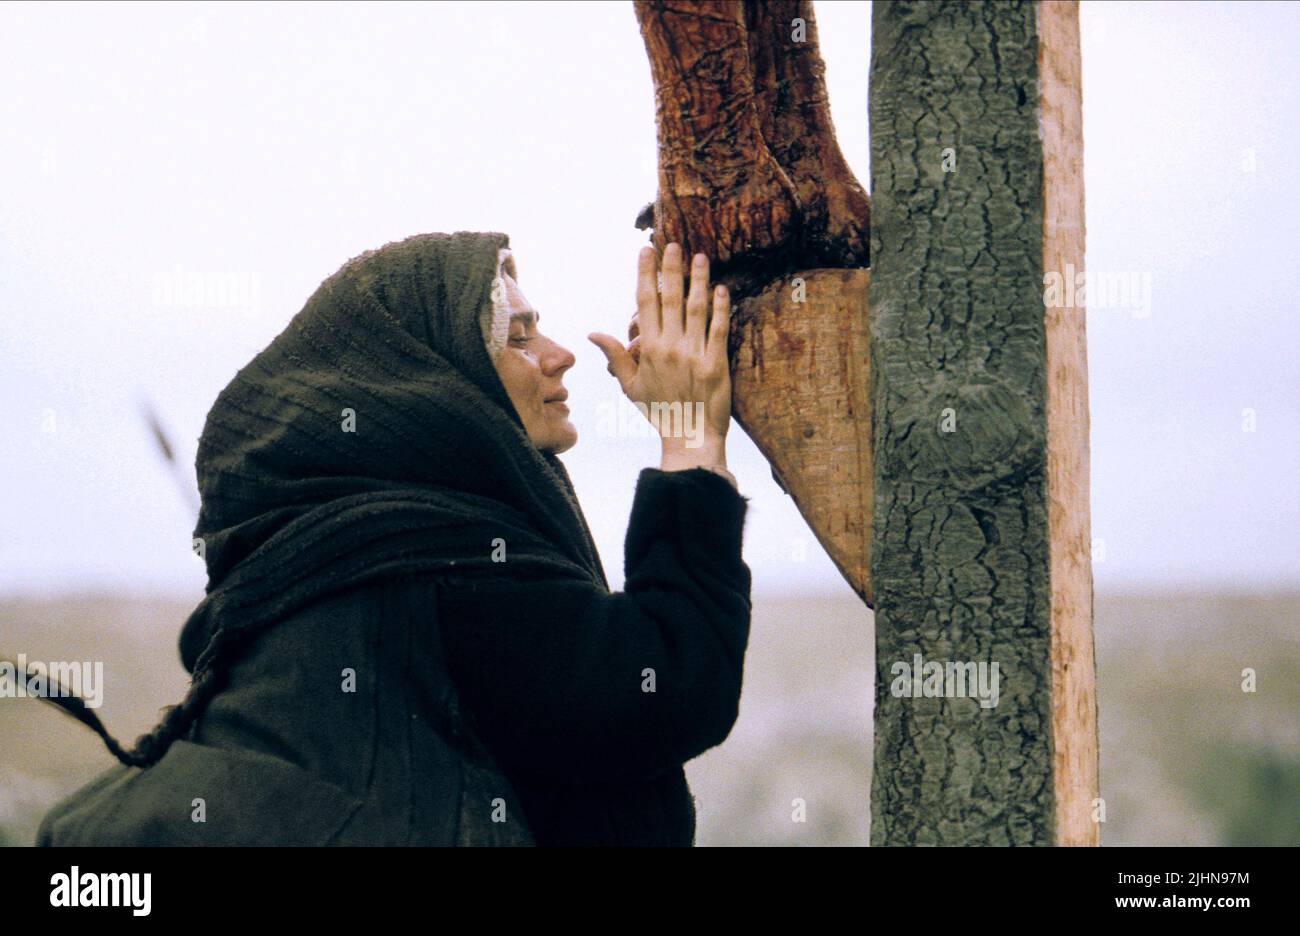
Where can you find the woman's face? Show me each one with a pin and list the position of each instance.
(531, 367)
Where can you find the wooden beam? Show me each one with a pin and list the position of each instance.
(1074, 680)
(980, 539)
(750, 172)
(801, 382)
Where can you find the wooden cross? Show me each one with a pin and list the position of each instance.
(928, 415)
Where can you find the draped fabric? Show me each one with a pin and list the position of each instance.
(373, 438)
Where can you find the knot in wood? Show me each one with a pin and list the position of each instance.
(969, 436)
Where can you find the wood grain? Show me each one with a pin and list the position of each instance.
(1074, 672)
(801, 386)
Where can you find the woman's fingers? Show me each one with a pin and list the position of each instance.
(647, 293)
(670, 300)
(662, 318)
(697, 303)
(720, 327)
(620, 362)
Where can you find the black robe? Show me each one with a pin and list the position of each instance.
(330, 730)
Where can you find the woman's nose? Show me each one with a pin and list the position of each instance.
(560, 359)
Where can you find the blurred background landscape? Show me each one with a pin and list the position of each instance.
(1187, 758)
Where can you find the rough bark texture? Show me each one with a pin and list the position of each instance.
(750, 174)
(975, 467)
(960, 553)
(794, 114)
(721, 191)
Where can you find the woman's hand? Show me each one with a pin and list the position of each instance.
(677, 356)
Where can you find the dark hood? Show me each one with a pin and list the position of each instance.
(373, 437)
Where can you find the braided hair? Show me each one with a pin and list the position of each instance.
(149, 747)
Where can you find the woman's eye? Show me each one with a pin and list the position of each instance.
(521, 338)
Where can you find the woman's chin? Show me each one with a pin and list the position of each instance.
(561, 437)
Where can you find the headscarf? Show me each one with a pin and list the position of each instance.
(392, 348)
(371, 439)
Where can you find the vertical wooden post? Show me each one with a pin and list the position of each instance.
(1074, 671)
(980, 549)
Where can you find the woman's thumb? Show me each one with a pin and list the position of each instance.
(620, 361)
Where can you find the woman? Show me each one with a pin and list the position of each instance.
(407, 636)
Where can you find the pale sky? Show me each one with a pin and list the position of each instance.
(269, 144)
